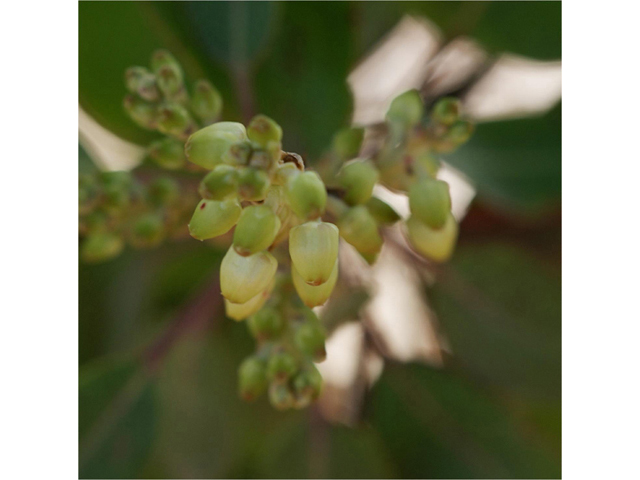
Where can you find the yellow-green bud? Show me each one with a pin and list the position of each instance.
(168, 73)
(310, 338)
(446, 111)
(308, 382)
(307, 195)
(430, 202)
(219, 184)
(212, 218)
(160, 58)
(459, 132)
(262, 159)
(359, 228)
(252, 378)
(311, 295)
(358, 179)
(263, 130)
(346, 143)
(284, 172)
(145, 114)
(438, 244)
(313, 247)
(281, 367)
(147, 231)
(280, 396)
(253, 184)
(242, 278)
(240, 311)
(207, 146)
(257, 228)
(266, 324)
(238, 153)
(100, 247)
(406, 109)
(163, 191)
(206, 101)
(382, 212)
(168, 153)
(174, 119)
(141, 81)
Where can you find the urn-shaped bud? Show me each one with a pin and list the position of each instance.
(253, 184)
(308, 382)
(141, 81)
(256, 230)
(168, 153)
(281, 367)
(307, 195)
(263, 130)
(310, 338)
(280, 396)
(242, 278)
(358, 179)
(406, 109)
(430, 202)
(212, 218)
(238, 153)
(446, 111)
(206, 101)
(266, 324)
(175, 120)
(311, 295)
(207, 146)
(219, 184)
(313, 247)
(359, 228)
(252, 378)
(240, 311)
(437, 244)
(144, 113)
(382, 212)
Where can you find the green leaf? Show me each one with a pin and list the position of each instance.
(116, 419)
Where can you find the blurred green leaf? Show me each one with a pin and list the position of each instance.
(515, 164)
(438, 425)
(116, 419)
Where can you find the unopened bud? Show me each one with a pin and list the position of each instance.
(313, 247)
(145, 114)
(174, 119)
(310, 338)
(280, 396)
(168, 153)
(147, 231)
(312, 296)
(219, 184)
(307, 195)
(359, 228)
(347, 142)
(358, 179)
(266, 324)
(238, 153)
(206, 101)
(438, 244)
(430, 202)
(425, 165)
(100, 247)
(284, 172)
(281, 367)
(263, 130)
(212, 218)
(252, 378)
(382, 212)
(459, 132)
(240, 311)
(253, 184)
(256, 230)
(242, 278)
(207, 146)
(164, 191)
(446, 111)
(406, 109)
(141, 81)
(168, 73)
(308, 382)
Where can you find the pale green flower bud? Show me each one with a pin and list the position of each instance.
(212, 218)
(307, 195)
(141, 81)
(170, 79)
(406, 109)
(430, 202)
(308, 382)
(284, 172)
(257, 228)
(312, 296)
(253, 184)
(446, 111)
(382, 212)
(206, 101)
(219, 184)
(266, 324)
(175, 120)
(145, 114)
(207, 146)
(164, 191)
(313, 247)
(238, 153)
(280, 396)
(168, 153)
(147, 231)
(358, 179)
(359, 228)
(240, 311)
(459, 132)
(242, 278)
(310, 338)
(252, 378)
(263, 130)
(100, 247)
(281, 367)
(346, 143)
(438, 244)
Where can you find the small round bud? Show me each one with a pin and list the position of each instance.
(213, 218)
(262, 159)
(263, 130)
(382, 212)
(347, 142)
(446, 111)
(307, 195)
(313, 247)
(147, 231)
(253, 184)
(160, 58)
(438, 244)
(406, 109)
(280, 396)
(174, 119)
(310, 338)
(219, 184)
(284, 172)
(206, 101)
(100, 247)
(145, 114)
(257, 228)
(141, 81)
(207, 146)
(164, 191)
(168, 153)
(240, 311)
(358, 178)
(281, 367)
(430, 202)
(312, 296)
(242, 278)
(238, 153)
(266, 324)
(252, 378)
(459, 132)
(359, 228)
(308, 382)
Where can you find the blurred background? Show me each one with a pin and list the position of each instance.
(447, 372)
